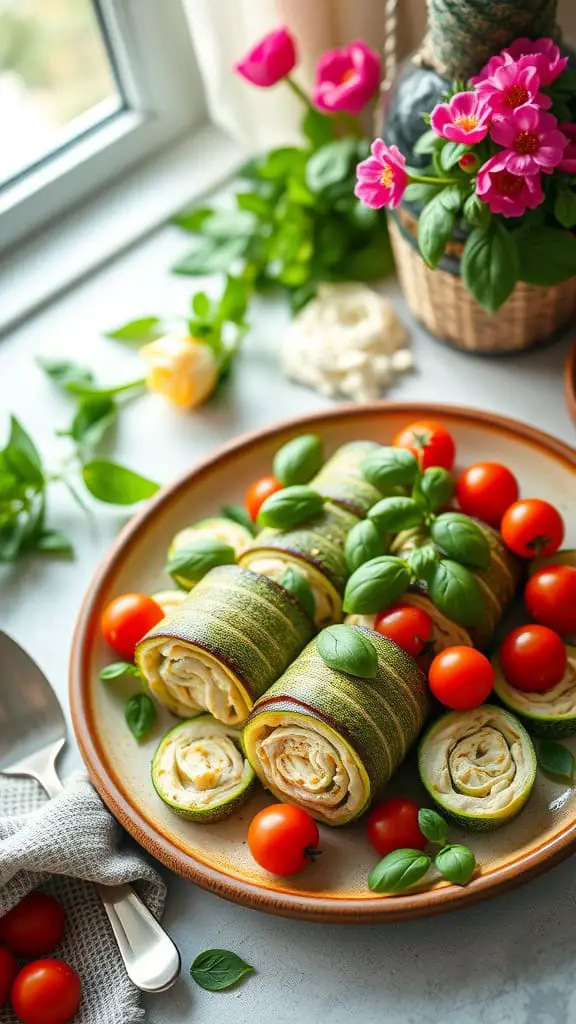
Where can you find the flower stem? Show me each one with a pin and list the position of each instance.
(424, 179)
(350, 124)
(298, 91)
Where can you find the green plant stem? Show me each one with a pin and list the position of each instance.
(298, 92)
(424, 179)
(350, 124)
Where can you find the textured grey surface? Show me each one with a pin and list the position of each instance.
(507, 960)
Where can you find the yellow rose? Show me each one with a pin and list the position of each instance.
(182, 369)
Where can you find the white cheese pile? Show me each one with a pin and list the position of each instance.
(347, 341)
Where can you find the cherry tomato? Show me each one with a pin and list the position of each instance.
(258, 492)
(34, 926)
(486, 490)
(127, 619)
(8, 971)
(429, 441)
(550, 597)
(393, 825)
(407, 626)
(46, 992)
(283, 839)
(533, 658)
(461, 678)
(532, 527)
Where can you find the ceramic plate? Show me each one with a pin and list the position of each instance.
(216, 856)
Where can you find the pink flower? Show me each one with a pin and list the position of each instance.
(511, 86)
(493, 64)
(346, 79)
(465, 118)
(532, 139)
(568, 161)
(270, 60)
(543, 54)
(382, 178)
(507, 193)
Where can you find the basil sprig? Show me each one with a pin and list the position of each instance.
(297, 461)
(423, 562)
(456, 593)
(556, 760)
(218, 969)
(363, 543)
(398, 871)
(436, 487)
(390, 467)
(432, 826)
(290, 507)
(198, 557)
(140, 715)
(348, 649)
(118, 669)
(456, 863)
(376, 585)
(461, 539)
(238, 514)
(396, 513)
(295, 583)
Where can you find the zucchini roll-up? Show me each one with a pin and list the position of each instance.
(445, 632)
(341, 479)
(328, 741)
(552, 713)
(479, 766)
(224, 645)
(199, 770)
(316, 550)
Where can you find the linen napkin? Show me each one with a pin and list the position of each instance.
(61, 846)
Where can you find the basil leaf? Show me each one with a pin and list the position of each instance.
(20, 443)
(436, 487)
(295, 583)
(456, 863)
(376, 585)
(476, 212)
(115, 484)
(195, 560)
(140, 714)
(117, 669)
(238, 514)
(348, 649)
(450, 154)
(490, 265)
(436, 224)
(330, 164)
(557, 760)
(218, 969)
(290, 506)
(398, 871)
(192, 220)
(565, 208)
(363, 543)
(433, 826)
(93, 418)
(423, 562)
(64, 372)
(461, 539)
(53, 542)
(456, 593)
(394, 514)
(390, 467)
(138, 332)
(89, 391)
(547, 255)
(297, 461)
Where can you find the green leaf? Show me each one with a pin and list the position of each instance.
(396, 513)
(218, 969)
(201, 305)
(196, 559)
(255, 203)
(427, 143)
(376, 585)
(93, 418)
(371, 263)
(290, 506)
(140, 715)
(211, 257)
(436, 487)
(456, 593)
(115, 484)
(363, 543)
(227, 224)
(232, 306)
(280, 163)
(19, 439)
(53, 542)
(461, 539)
(192, 220)
(423, 562)
(398, 871)
(138, 332)
(456, 863)
(118, 669)
(64, 372)
(476, 212)
(349, 650)
(390, 467)
(565, 208)
(238, 514)
(547, 255)
(317, 127)
(297, 461)
(435, 227)
(490, 265)
(90, 391)
(21, 456)
(433, 826)
(330, 164)
(295, 584)
(450, 154)
(556, 760)
(417, 192)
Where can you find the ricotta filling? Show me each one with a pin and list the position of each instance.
(188, 680)
(200, 766)
(327, 609)
(557, 702)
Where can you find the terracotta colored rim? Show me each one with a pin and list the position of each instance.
(321, 908)
(570, 382)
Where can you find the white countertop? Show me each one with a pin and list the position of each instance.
(507, 961)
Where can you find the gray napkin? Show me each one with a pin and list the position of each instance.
(61, 846)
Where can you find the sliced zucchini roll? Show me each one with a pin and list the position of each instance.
(342, 481)
(224, 645)
(328, 741)
(199, 770)
(316, 550)
(552, 713)
(479, 766)
(169, 599)
(565, 557)
(445, 633)
(218, 528)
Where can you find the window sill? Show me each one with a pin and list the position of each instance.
(69, 250)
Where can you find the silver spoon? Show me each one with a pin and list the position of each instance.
(32, 734)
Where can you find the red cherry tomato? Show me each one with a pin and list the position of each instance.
(393, 825)
(533, 658)
(258, 492)
(34, 926)
(461, 678)
(46, 992)
(532, 527)
(430, 442)
(8, 971)
(550, 597)
(127, 619)
(408, 626)
(486, 490)
(283, 839)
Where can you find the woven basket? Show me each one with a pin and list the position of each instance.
(440, 301)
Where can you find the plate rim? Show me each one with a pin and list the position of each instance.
(440, 898)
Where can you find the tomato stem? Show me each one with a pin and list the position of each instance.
(311, 853)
